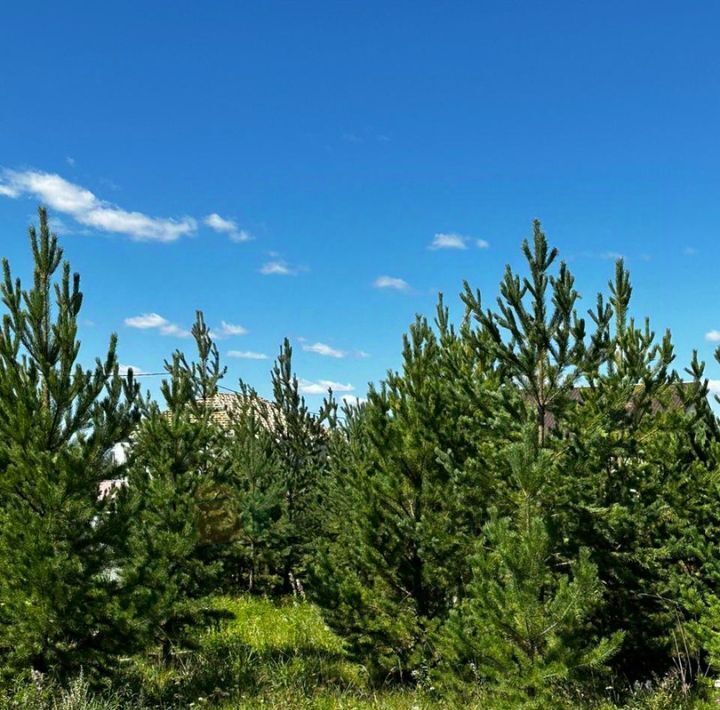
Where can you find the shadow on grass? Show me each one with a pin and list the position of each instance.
(220, 671)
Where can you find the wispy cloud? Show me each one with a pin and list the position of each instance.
(227, 226)
(452, 240)
(278, 267)
(87, 209)
(448, 241)
(391, 282)
(714, 386)
(145, 321)
(59, 226)
(352, 400)
(690, 251)
(713, 336)
(154, 321)
(322, 386)
(609, 255)
(323, 349)
(247, 355)
(232, 329)
(227, 330)
(612, 255)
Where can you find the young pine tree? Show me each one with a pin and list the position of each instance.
(177, 458)
(630, 488)
(256, 501)
(301, 440)
(538, 339)
(410, 491)
(523, 625)
(58, 423)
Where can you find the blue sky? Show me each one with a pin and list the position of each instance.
(275, 164)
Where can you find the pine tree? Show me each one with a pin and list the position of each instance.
(538, 338)
(632, 490)
(301, 442)
(523, 625)
(694, 578)
(256, 501)
(58, 424)
(410, 493)
(177, 460)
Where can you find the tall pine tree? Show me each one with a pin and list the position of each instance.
(256, 500)
(301, 443)
(177, 460)
(58, 424)
(538, 338)
(411, 491)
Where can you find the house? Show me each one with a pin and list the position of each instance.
(221, 406)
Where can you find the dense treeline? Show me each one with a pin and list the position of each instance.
(529, 503)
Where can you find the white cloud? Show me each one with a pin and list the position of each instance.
(154, 321)
(352, 400)
(176, 330)
(713, 336)
(87, 209)
(70, 161)
(362, 354)
(247, 355)
(59, 226)
(391, 282)
(323, 349)
(220, 224)
(277, 268)
(690, 251)
(227, 226)
(229, 329)
(452, 240)
(322, 386)
(147, 320)
(714, 386)
(448, 241)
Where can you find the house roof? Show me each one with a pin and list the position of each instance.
(223, 406)
(675, 402)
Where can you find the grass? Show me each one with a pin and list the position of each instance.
(275, 655)
(282, 655)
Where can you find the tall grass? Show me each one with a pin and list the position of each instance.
(281, 655)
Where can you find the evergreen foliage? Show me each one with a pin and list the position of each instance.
(176, 465)
(257, 503)
(58, 424)
(630, 489)
(522, 627)
(410, 493)
(528, 503)
(301, 443)
(537, 337)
